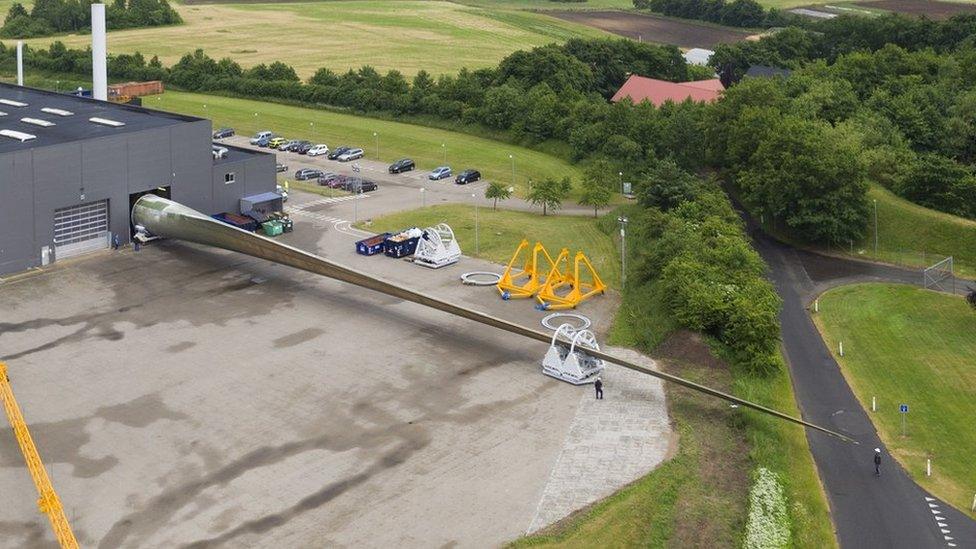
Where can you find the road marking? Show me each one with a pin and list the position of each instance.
(328, 200)
(929, 499)
(942, 524)
(934, 506)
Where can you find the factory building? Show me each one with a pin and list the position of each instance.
(71, 168)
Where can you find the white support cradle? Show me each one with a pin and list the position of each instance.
(572, 364)
(437, 247)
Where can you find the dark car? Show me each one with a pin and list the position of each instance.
(339, 150)
(302, 147)
(289, 146)
(360, 186)
(223, 133)
(307, 173)
(467, 176)
(329, 179)
(402, 165)
(279, 167)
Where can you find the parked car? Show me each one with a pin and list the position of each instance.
(223, 133)
(360, 186)
(402, 165)
(329, 179)
(289, 146)
(319, 149)
(262, 135)
(467, 176)
(351, 154)
(307, 173)
(440, 173)
(263, 142)
(335, 154)
(303, 147)
(283, 192)
(277, 142)
(218, 151)
(280, 168)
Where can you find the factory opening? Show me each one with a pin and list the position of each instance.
(81, 229)
(163, 192)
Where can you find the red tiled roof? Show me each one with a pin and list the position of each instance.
(639, 88)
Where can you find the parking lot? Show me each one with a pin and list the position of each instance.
(186, 396)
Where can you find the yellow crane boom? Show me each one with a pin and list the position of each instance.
(48, 500)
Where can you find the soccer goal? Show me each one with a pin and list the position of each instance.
(940, 276)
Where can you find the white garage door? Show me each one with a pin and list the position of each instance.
(80, 229)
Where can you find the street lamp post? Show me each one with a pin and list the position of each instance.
(875, 227)
(623, 251)
(376, 138)
(423, 197)
(444, 150)
(477, 244)
(512, 158)
(311, 126)
(621, 174)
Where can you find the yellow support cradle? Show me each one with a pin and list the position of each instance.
(559, 279)
(521, 283)
(48, 501)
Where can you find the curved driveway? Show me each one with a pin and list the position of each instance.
(868, 512)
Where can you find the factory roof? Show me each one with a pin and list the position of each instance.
(36, 118)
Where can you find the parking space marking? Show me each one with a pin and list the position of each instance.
(327, 200)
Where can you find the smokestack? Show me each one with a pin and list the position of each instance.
(20, 63)
(99, 70)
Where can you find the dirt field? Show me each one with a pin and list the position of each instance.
(928, 8)
(654, 29)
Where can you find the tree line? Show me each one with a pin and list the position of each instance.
(49, 17)
(737, 13)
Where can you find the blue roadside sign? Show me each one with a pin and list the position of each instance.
(903, 408)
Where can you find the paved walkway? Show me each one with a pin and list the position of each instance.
(611, 442)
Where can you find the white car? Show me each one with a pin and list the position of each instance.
(266, 134)
(351, 154)
(316, 150)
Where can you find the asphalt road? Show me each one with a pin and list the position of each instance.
(887, 512)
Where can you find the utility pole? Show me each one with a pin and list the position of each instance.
(512, 158)
(621, 174)
(444, 150)
(623, 251)
(875, 227)
(376, 138)
(477, 246)
(423, 197)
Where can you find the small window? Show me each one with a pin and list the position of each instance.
(229, 178)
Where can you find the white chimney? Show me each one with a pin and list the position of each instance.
(20, 63)
(99, 70)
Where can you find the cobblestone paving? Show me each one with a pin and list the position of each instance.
(610, 443)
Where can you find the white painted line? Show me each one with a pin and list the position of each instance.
(929, 499)
(942, 524)
(944, 531)
(939, 518)
(934, 506)
(947, 538)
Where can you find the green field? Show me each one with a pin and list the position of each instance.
(499, 232)
(407, 35)
(907, 345)
(914, 235)
(396, 140)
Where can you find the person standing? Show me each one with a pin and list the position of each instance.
(599, 389)
(877, 462)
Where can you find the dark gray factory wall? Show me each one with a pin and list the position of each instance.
(254, 174)
(16, 213)
(36, 182)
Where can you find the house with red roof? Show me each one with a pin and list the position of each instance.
(639, 88)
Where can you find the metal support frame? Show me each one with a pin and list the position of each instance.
(935, 276)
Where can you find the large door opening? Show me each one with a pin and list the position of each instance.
(163, 192)
(81, 229)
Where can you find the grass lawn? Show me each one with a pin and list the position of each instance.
(903, 344)
(500, 231)
(407, 35)
(396, 140)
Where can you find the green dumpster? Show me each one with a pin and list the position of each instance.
(272, 228)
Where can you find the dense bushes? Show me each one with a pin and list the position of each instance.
(57, 16)
(737, 13)
(700, 260)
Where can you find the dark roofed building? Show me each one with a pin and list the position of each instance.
(763, 71)
(71, 167)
